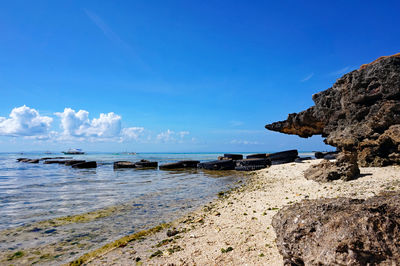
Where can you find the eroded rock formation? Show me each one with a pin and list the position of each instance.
(345, 168)
(361, 112)
(340, 231)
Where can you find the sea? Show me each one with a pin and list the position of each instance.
(96, 206)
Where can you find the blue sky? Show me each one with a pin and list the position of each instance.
(176, 75)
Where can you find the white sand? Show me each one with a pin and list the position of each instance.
(242, 219)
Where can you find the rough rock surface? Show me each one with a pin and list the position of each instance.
(345, 168)
(361, 112)
(340, 231)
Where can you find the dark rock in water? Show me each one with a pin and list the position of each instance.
(189, 163)
(54, 161)
(250, 167)
(176, 165)
(233, 156)
(329, 155)
(218, 165)
(290, 154)
(27, 160)
(146, 164)
(180, 165)
(91, 164)
(124, 164)
(72, 162)
(277, 157)
(252, 164)
(340, 231)
(301, 159)
(282, 161)
(361, 113)
(282, 157)
(344, 168)
(257, 155)
(254, 161)
(54, 158)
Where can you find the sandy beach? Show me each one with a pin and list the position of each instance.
(236, 228)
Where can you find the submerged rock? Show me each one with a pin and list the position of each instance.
(54, 162)
(90, 164)
(72, 162)
(340, 231)
(361, 112)
(124, 164)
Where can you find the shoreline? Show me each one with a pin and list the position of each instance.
(236, 228)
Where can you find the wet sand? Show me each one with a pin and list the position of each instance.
(236, 228)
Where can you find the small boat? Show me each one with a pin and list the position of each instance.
(74, 151)
(128, 153)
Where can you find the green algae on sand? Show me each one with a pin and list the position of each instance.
(117, 243)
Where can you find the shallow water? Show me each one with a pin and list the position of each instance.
(123, 201)
(30, 193)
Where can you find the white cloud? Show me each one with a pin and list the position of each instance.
(78, 124)
(182, 134)
(307, 78)
(235, 123)
(245, 142)
(340, 71)
(25, 121)
(131, 133)
(74, 123)
(166, 136)
(172, 136)
(106, 126)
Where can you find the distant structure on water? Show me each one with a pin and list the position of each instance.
(74, 151)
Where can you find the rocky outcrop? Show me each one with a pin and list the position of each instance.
(345, 168)
(361, 112)
(340, 231)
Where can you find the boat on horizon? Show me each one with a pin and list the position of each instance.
(74, 151)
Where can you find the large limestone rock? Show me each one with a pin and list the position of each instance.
(361, 112)
(340, 231)
(345, 168)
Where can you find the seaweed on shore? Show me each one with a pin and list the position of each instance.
(120, 242)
